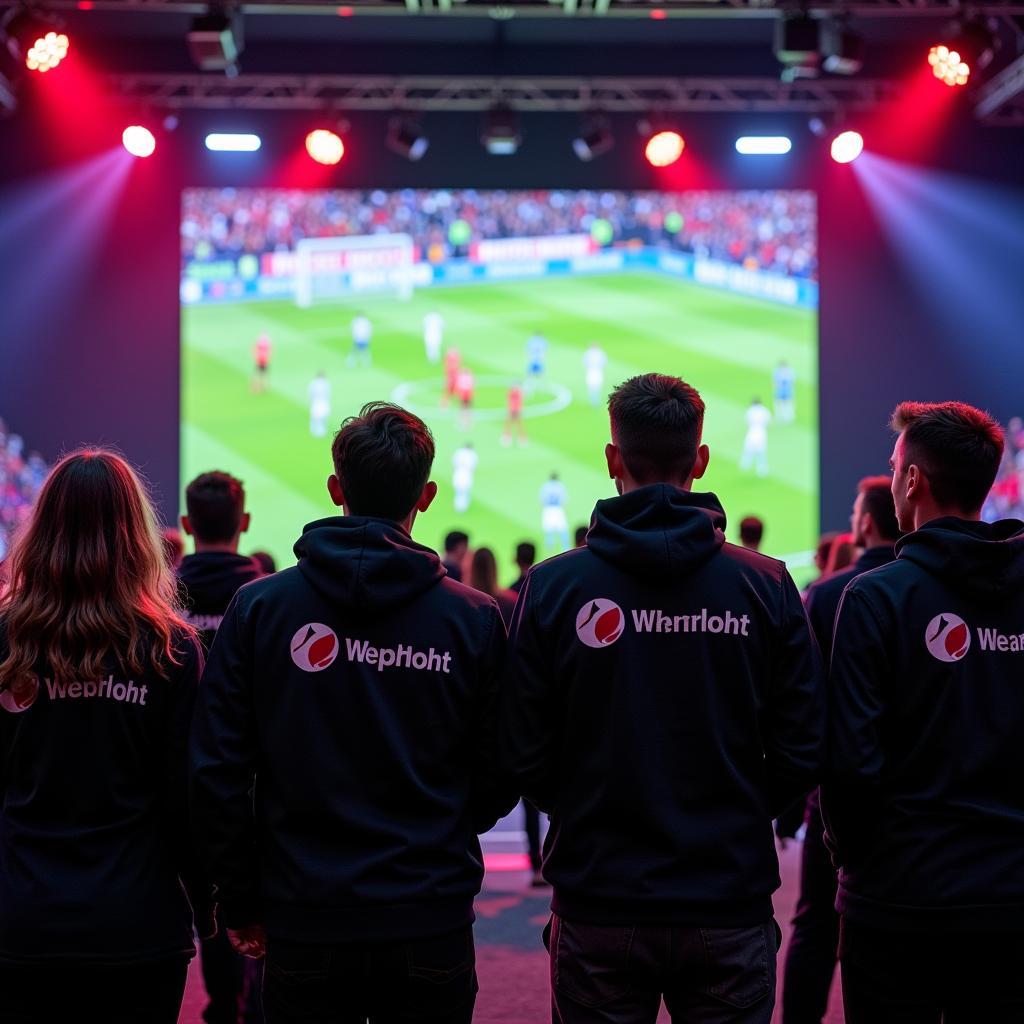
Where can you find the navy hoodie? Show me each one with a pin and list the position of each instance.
(94, 844)
(924, 793)
(209, 580)
(356, 691)
(663, 702)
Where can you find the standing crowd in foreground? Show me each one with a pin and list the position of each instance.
(315, 793)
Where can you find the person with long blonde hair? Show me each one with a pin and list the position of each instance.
(98, 677)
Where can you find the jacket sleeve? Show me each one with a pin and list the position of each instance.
(855, 759)
(181, 705)
(223, 772)
(793, 720)
(528, 731)
(493, 795)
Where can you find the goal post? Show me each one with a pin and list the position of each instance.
(328, 269)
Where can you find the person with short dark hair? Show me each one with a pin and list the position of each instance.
(215, 518)
(922, 796)
(265, 560)
(98, 677)
(526, 555)
(751, 532)
(173, 546)
(354, 691)
(456, 546)
(814, 943)
(580, 538)
(663, 702)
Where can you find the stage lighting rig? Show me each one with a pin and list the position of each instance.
(325, 147)
(593, 139)
(969, 47)
(406, 138)
(842, 49)
(664, 148)
(215, 41)
(846, 147)
(798, 46)
(35, 38)
(500, 133)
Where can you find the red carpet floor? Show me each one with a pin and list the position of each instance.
(511, 961)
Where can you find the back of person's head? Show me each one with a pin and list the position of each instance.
(215, 505)
(483, 571)
(956, 447)
(88, 578)
(382, 459)
(265, 560)
(875, 493)
(526, 554)
(581, 536)
(751, 532)
(821, 552)
(656, 424)
(174, 546)
(841, 555)
(456, 542)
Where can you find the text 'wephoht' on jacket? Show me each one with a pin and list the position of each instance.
(663, 702)
(924, 790)
(94, 838)
(355, 690)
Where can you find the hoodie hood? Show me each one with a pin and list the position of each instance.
(657, 532)
(984, 561)
(364, 565)
(212, 577)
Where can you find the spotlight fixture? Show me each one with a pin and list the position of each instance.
(969, 47)
(215, 42)
(232, 142)
(798, 46)
(406, 138)
(842, 49)
(593, 139)
(763, 145)
(847, 146)
(664, 148)
(500, 132)
(325, 146)
(139, 141)
(35, 39)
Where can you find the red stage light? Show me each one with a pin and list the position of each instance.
(324, 146)
(847, 146)
(948, 66)
(138, 141)
(345, 12)
(85, 5)
(47, 52)
(659, 14)
(664, 148)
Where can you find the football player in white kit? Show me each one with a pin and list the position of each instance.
(362, 335)
(594, 362)
(433, 335)
(319, 404)
(464, 463)
(553, 522)
(755, 444)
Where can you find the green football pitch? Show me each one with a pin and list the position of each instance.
(725, 345)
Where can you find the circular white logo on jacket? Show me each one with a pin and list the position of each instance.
(600, 622)
(314, 647)
(948, 637)
(21, 697)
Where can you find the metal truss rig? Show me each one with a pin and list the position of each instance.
(438, 93)
(505, 9)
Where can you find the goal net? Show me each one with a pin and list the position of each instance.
(328, 269)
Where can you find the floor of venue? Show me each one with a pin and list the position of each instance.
(511, 962)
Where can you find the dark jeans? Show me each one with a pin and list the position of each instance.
(814, 944)
(927, 977)
(417, 981)
(603, 974)
(115, 995)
